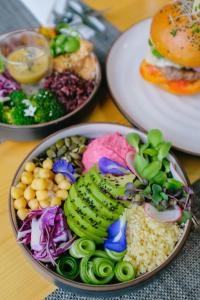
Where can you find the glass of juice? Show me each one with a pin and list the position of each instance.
(26, 55)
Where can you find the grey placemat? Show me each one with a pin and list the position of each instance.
(180, 281)
(14, 15)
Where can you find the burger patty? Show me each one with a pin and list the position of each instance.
(172, 73)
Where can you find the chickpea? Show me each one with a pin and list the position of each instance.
(36, 171)
(29, 166)
(55, 201)
(22, 213)
(20, 203)
(42, 195)
(64, 185)
(47, 164)
(16, 192)
(55, 188)
(59, 177)
(21, 185)
(33, 204)
(27, 177)
(29, 193)
(39, 184)
(44, 203)
(50, 184)
(43, 173)
(62, 194)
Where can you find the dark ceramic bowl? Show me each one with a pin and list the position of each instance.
(38, 131)
(93, 130)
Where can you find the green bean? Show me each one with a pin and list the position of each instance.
(124, 271)
(68, 267)
(82, 247)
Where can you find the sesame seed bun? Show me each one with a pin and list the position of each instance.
(175, 36)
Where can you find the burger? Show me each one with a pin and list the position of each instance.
(173, 61)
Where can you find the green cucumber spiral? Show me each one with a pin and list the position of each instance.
(82, 247)
(115, 256)
(124, 271)
(68, 267)
(96, 268)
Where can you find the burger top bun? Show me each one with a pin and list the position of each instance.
(175, 36)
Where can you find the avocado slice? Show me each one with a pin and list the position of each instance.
(112, 208)
(81, 232)
(88, 211)
(80, 218)
(114, 185)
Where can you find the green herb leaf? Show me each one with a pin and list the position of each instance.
(186, 215)
(2, 65)
(173, 32)
(133, 140)
(150, 42)
(140, 163)
(156, 196)
(151, 170)
(164, 196)
(163, 150)
(155, 137)
(156, 53)
(150, 152)
(160, 178)
(166, 165)
(173, 184)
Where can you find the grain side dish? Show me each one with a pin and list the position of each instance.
(149, 242)
(103, 210)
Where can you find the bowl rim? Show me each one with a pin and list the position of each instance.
(97, 80)
(79, 285)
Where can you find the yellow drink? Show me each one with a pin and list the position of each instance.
(28, 64)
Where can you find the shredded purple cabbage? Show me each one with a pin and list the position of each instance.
(47, 233)
(108, 166)
(7, 85)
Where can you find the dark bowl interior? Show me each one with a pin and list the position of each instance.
(93, 130)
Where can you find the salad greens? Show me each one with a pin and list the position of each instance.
(67, 41)
(156, 181)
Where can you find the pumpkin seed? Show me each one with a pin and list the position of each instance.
(62, 151)
(59, 144)
(75, 155)
(82, 148)
(75, 140)
(51, 153)
(67, 142)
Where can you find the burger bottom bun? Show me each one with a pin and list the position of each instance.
(179, 87)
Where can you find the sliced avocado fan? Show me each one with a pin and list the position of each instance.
(92, 205)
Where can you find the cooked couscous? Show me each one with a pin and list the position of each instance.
(149, 242)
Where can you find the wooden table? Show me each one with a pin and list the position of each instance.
(18, 279)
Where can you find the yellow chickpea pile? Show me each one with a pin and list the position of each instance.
(38, 188)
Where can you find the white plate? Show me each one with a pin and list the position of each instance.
(146, 105)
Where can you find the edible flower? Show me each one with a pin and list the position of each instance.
(62, 166)
(47, 233)
(116, 235)
(108, 166)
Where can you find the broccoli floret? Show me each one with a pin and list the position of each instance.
(48, 107)
(18, 115)
(5, 114)
(16, 97)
